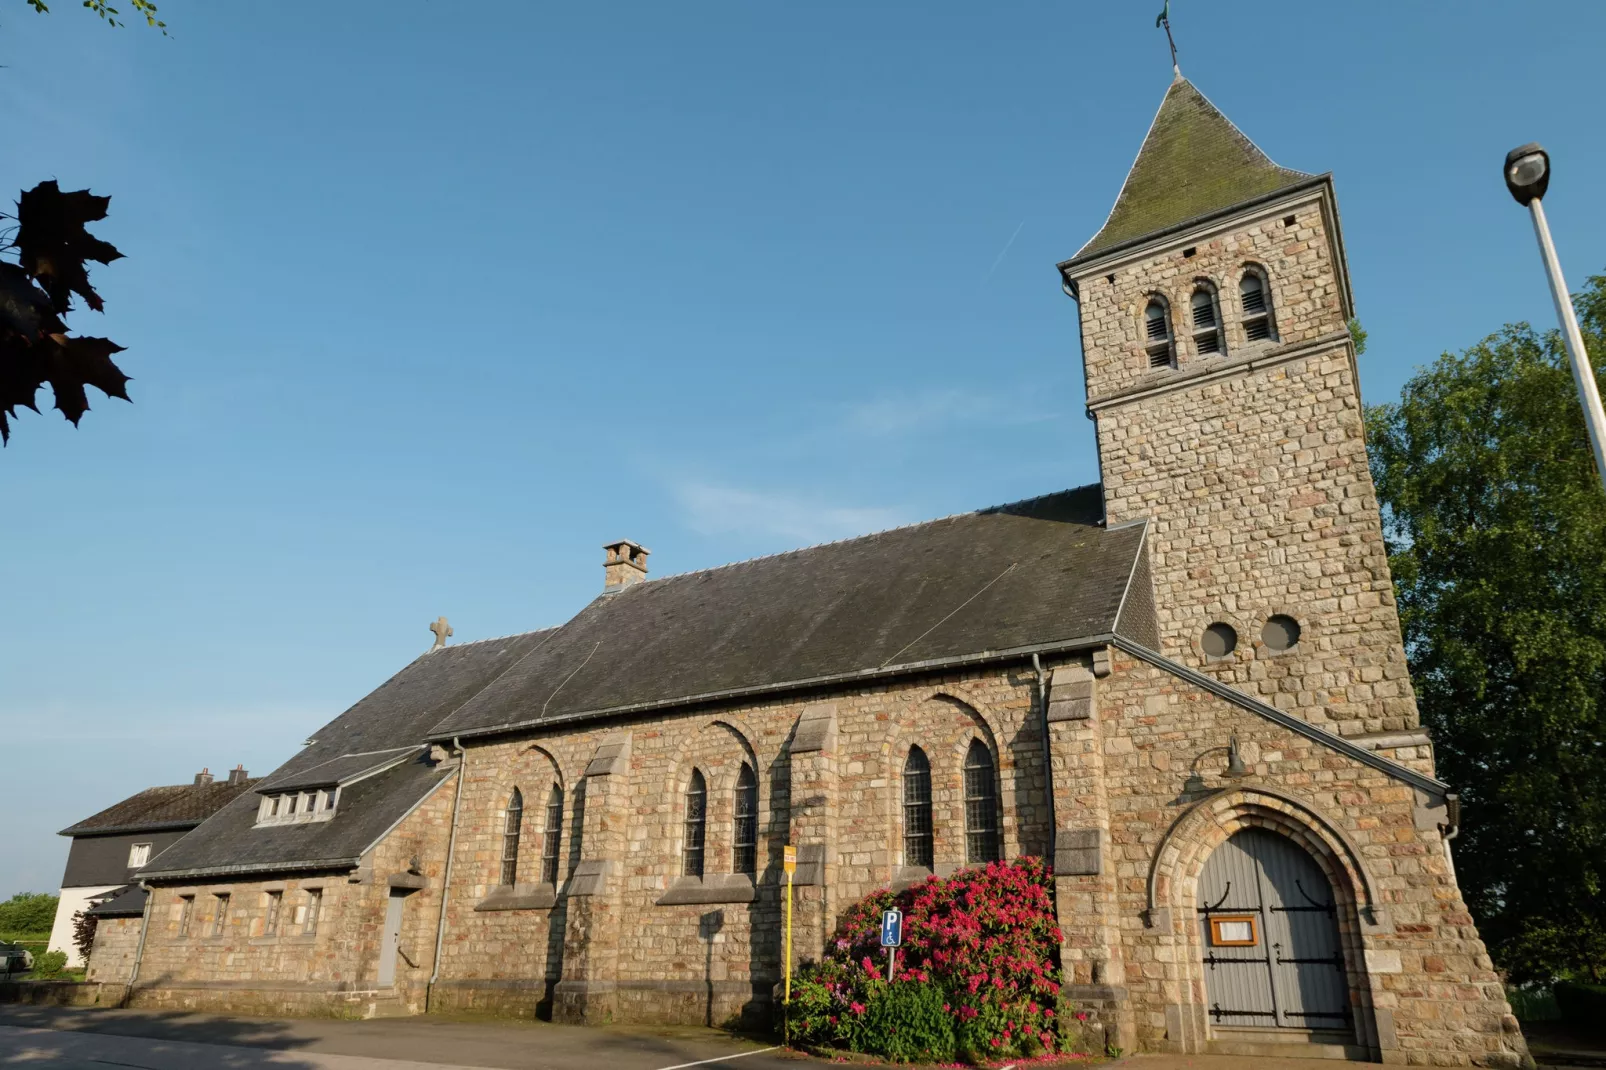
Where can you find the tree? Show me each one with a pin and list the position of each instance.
(28, 912)
(142, 8)
(52, 246)
(83, 933)
(1496, 527)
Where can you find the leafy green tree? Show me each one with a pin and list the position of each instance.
(1496, 527)
(28, 912)
(142, 9)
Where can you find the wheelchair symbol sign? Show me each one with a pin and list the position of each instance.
(892, 928)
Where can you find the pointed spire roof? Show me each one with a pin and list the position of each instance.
(1193, 163)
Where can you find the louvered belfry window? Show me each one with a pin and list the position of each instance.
(917, 839)
(1206, 324)
(1157, 335)
(745, 838)
(696, 823)
(981, 805)
(511, 824)
(552, 841)
(1257, 308)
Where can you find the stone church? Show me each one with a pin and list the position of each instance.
(1185, 685)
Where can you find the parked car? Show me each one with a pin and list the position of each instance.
(14, 959)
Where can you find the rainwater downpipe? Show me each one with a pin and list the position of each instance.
(1452, 820)
(1048, 758)
(139, 952)
(446, 878)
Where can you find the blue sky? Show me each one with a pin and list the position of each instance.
(424, 302)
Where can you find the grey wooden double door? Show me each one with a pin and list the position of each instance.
(1269, 928)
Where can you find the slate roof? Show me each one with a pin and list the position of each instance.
(1037, 575)
(342, 770)
(1010, 579)
(400, 711)
(174, 806)
(1193, 163)
(127, 901)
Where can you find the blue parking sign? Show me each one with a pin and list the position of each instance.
(892, 928)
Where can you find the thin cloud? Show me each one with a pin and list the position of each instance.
(711, 509)
(999, 259)
(904, 414)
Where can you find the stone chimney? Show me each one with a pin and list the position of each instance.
(238, 775)
(626, 564)
(203, 777)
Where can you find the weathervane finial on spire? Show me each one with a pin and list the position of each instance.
(1164, 19)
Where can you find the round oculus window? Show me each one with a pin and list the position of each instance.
(1219, 640)
(1280, 632)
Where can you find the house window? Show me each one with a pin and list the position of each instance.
(981, 805)
(314, 905)
(510, 837)
(917, 809)
(1157, 335)
(220, 913)
(1255, 296)
(186, 910)
(270, 920)
(1206, 322)
(745, 839)
(552, 840)
(138, 855)
(696, 819)
(298, 806)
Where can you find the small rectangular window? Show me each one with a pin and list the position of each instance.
(138, 855)
(220, 913)
(186, 910)
(314, 905)
(270, 921)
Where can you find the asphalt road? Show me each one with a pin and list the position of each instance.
(58, 1038)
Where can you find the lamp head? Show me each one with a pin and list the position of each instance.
(1527, 172)
(1236, 769)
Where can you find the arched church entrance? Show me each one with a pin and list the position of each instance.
(1269, 929)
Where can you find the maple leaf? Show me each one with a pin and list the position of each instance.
(53, 244)
(53, 247)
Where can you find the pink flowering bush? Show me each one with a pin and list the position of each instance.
(982, 945)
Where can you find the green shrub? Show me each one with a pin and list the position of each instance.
(907, 1022)
(49, 964)
(28, 912)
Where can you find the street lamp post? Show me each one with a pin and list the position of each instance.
(1527, 177)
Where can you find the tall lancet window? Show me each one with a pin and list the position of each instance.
(981, 805)
(1255, 296)
(917, 809)
(511, 825)
(696, 823)
(1157, 334)
(744, 840)
(1206, 322)
(552, 842)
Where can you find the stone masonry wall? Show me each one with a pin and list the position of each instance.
(710, 950)
(1252, 467)
(1422, 985)
(331, 967)
(111, 960)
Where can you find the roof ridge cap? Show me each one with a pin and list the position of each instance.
(847, 539)
(489, 639)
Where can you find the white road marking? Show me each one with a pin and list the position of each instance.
(721, 1058)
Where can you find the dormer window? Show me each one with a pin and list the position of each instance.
(1255, 296)
(1157, 335)
(296, 807)
(1206, 322)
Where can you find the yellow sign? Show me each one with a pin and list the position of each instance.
(789, 859)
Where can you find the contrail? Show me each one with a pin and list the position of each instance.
(1003, 252)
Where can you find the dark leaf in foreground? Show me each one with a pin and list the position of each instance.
(53, 244)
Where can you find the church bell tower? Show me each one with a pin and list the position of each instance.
(1221, 376)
